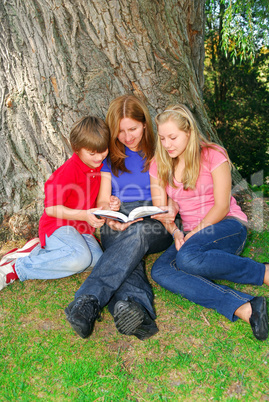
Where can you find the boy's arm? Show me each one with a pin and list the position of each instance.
(62, 212)
(103, 199)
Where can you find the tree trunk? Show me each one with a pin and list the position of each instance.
(62, 59)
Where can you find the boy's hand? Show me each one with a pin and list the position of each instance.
(114, 203)
(93, 220)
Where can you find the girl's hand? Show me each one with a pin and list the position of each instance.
(93, 220)
(115, 225)
(179, 239)
(115, 203)
(168, 217)
(190, 234)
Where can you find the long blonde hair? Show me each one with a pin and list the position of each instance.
(134, 108)
(184, 120)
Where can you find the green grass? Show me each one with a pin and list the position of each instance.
(198, 355)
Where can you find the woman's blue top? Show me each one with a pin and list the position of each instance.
(133, 186)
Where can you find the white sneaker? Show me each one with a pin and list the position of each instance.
(6, 269)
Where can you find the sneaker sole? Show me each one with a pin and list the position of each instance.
(5, 269)
(127, 320)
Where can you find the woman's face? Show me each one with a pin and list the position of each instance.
(172, 139)
(131, 133)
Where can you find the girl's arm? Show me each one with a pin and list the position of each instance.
(222, 183)
(62, 212)
(160, 199)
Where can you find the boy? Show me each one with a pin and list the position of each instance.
(67, 245)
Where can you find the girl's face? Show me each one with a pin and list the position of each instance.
(131, 133)
(91, 158)
(172, 139)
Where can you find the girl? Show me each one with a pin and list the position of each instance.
(196, 175)
(119, 277)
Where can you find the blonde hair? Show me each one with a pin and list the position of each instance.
(134, 108)
(91, 133)
(184, 120)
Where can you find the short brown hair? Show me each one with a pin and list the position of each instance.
(91, 133)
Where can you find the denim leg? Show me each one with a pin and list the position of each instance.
(94, 247)
(137, 288)
(214, 254)
(159, 240)
(66, 253)
(115, 272)
(196, 288)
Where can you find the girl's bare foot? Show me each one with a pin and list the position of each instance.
(266, 275)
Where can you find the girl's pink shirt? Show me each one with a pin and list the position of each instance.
(195, 204)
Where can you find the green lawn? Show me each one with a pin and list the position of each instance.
(198, 355)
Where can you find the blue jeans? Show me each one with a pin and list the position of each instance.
(210, 254)
(67, 252)
(120, 272)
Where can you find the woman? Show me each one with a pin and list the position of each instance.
(119, 277)
(196, 175)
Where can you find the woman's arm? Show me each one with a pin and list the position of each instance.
(105, 201)
(222, 183)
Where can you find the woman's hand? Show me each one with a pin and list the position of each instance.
(116, 225)
(179, 239)
(115, 203)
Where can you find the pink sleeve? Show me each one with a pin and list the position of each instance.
(215, 157)
(153, 169)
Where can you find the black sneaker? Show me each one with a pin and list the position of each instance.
(82, 313)
(133, 319)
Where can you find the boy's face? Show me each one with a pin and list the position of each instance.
(91, 158)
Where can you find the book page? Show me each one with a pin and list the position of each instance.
(141, 212)
(117, 216)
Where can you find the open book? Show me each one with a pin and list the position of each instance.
(139, 212)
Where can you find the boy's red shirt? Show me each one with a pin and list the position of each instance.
(74, 185)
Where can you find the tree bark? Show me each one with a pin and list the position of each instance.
(62, 59)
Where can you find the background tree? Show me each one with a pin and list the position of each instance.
(60, 60)
(237, 80)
